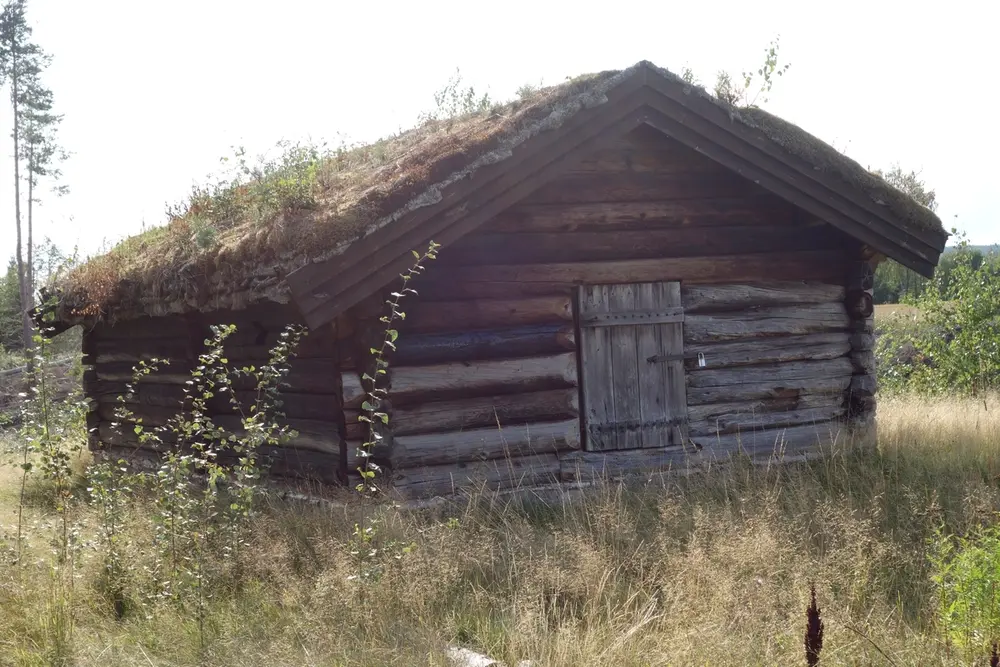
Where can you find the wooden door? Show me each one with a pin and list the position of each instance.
(632, 365)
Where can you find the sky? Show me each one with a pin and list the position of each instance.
(155, 93)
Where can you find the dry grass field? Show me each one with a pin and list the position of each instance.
(884, 310)
(712, 569)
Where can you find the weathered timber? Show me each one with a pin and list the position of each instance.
(321, 407)
(773, 443)
(180, 349)
(443, 316)
(411, 384)
(422, 349)
(311, 435)
(609, 245)
(708, 298)
(771, 321)
(863, 385)
(775, 373)
(583, 466)
(641, 186)
(768, 389)
(491, 475)
(353, 391)
(861, 342)
(440, 285)
(312, 375)
(742, 422)
(282, 462)
(818, 265)
(631, 158)
(485, 412)
(711, 411)
(768, 350)
(487, 443)
(122, 372)
(860, 304)
(651, 214)
(864, 361)
(671, 315)
(596, 366)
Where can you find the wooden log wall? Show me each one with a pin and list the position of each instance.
(311, 400)
(483, 385)
(861, 310)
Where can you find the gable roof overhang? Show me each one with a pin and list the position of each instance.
(324, 289)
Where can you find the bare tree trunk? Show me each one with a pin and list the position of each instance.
(27, 331)
(31, 244)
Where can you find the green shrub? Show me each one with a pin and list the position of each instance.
(967, 575)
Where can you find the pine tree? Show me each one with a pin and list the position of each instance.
(21, 63)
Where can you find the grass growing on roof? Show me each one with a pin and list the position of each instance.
(234, 240)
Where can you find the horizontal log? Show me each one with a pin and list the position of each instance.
(774, 443)
(769, 350)
(493, 475)
(774, 373)
(642, 159)
(642, 186)
(441, 285)
(707, 298)
(761, 445)
(423, 349)
(412, 384)
(651, 214)
(353, 391)
(712, 411)
(321, 407)
(312, 435)
(314, 377)
(444, 316)
(771, 321)
(767, 389)
(818, 265)
(584, 466)
(485, 412)
(283, 462)
(611, 245)
(177, 326)
(744, 422)
(315, 345)
(487, 443)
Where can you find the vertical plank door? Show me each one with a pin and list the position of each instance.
(632, 357)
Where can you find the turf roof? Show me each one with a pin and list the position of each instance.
(234, 245)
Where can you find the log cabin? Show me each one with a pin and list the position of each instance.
(634, 276)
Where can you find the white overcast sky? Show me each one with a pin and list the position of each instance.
(154, 93)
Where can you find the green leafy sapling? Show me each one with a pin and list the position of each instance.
(373, 412)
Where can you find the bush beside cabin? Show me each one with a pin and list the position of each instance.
(633, 277)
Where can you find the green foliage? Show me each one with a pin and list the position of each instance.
(894, 283)
(454, 100)
(962, 333)
(254, 190)
(742, 94)
(966, 572)
(367, 545)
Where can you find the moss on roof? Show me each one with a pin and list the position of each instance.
(233, 243)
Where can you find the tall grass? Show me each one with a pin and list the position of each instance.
(713, 569)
